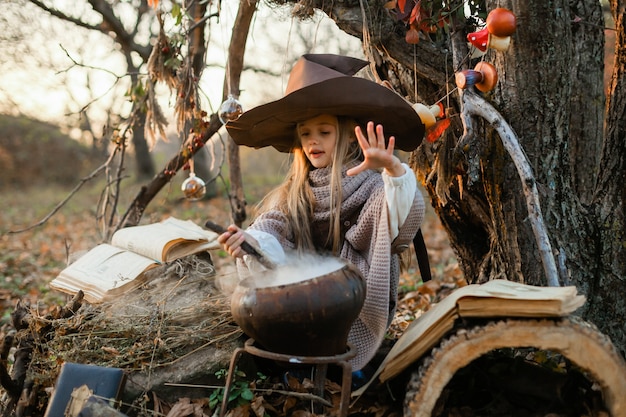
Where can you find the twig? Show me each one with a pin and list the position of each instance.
(201, 22)
(60, 205)
(301, 395)
(474, 105)
(211, 342)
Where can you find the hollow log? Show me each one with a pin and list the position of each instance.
(576, 340)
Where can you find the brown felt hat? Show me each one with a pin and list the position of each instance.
(324, 84)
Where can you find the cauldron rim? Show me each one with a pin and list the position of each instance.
(255, 282)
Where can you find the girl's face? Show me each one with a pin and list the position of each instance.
(318, 137)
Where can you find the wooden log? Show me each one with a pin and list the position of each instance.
(576, 340)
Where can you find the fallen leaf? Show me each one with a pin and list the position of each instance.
(258, 406)
(110, 350)
(182, 408)
(241, 411)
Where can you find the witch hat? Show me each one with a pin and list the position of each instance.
(325, 84)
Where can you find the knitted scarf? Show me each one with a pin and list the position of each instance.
(366, 244)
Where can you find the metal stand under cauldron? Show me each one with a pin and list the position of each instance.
(321, 365)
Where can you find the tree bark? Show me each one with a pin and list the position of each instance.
(607, 282)
(586, 121)
(578, 341)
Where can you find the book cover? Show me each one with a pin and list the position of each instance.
(103, 382)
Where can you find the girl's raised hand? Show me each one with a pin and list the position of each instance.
(376, 155)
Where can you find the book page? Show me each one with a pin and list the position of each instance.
(155, 240)
(102, 269)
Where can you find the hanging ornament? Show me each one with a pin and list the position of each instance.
(193, 187)
(484, 76)
(483, 40)
(412, 36)
(230, 110)
(429, 115)
(501, 24)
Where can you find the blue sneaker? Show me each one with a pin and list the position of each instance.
(361, 377)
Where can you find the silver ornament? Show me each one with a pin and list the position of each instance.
(230, 109)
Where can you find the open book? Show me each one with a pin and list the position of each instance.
(497, 298)
(115, 268)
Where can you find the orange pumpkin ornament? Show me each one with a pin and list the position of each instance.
(501, 22)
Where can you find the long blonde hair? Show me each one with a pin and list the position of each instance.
(294, 196)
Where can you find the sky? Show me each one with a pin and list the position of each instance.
(44, 82)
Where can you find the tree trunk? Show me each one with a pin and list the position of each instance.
(550, 92)
(234, 67)
(607, 279)
(144, 168)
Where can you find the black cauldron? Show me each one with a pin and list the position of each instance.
(308, 315)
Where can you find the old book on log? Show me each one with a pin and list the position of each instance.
(497, 298)
(109, 270)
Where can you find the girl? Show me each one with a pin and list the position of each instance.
(346, 192)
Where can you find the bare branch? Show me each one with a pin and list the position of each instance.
(475, 105)
(231, 86)
(60, 205)
(63, 16)
(110, 23)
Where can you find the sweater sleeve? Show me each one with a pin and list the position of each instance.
(271, 233)
(399, 192)
(269, 245)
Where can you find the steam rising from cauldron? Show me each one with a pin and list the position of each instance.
(299, 268)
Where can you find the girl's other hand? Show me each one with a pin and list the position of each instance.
(232, 239)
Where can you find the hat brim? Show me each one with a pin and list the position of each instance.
(273, 124)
